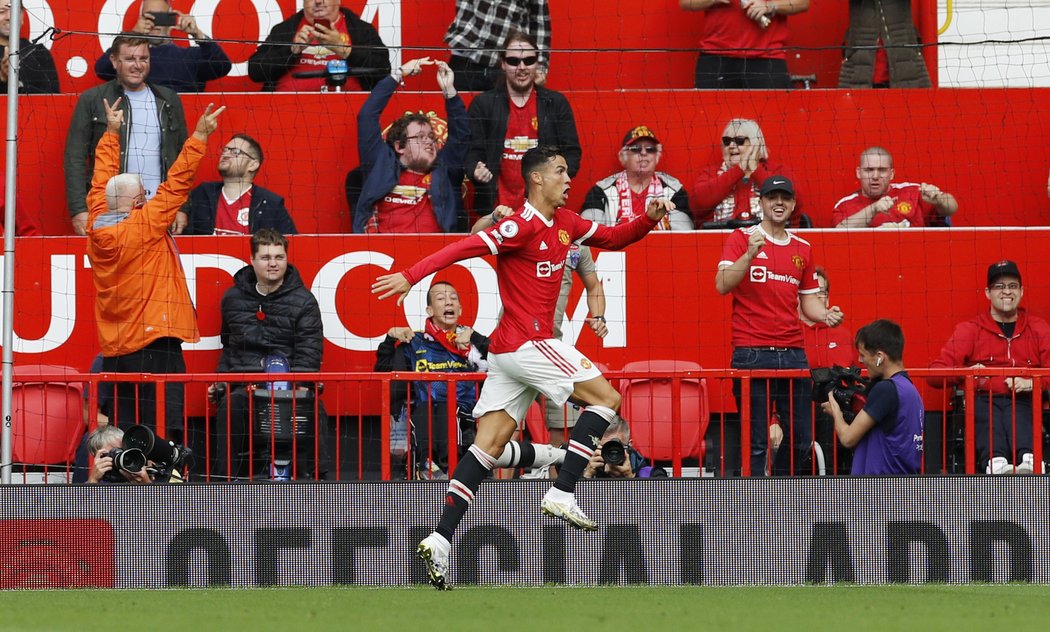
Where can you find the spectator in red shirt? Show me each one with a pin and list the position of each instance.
(744, 42)
(1003, 336)
(881, 202)
(729, 191)
(771, 275)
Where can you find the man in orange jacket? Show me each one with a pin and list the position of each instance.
(142, 304)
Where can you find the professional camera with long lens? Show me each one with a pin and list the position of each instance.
(614, 452)
(130, 460)
(846, 385)
(167, 456)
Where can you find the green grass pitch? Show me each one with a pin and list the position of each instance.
(840, 608)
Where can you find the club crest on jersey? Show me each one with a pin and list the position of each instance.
(904, 208)
(799, 262)
(585, 363)
(563, 236)
(535, 122)
(426, 180)
(508, 229)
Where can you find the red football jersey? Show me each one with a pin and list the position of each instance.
(522, 135)
(828, 346)
(765, 303)
(232, 216)
(407, 208)
(909, 206)
(530, 254)
(730, 33)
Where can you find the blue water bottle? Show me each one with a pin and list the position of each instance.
(276, 363)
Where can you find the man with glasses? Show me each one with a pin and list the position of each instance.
(624, 195)
(511, 119)
(1005, 335)
(235, 206)
(410, 183)
(771, 275)
(36, 69)
(881, 202)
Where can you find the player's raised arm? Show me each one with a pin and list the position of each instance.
(387, 285)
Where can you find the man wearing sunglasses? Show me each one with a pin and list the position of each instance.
(1003, 336)
(480, 28)
(235, 206)
(624, 195)
(882, 202)
(511, 119)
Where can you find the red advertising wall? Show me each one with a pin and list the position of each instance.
(599, 44)
(955, 138)
(662, 295)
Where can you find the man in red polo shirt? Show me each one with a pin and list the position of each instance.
(881, 202)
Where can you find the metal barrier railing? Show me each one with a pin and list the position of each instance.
(353, 439)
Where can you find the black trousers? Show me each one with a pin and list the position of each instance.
(716, 72)
(1001, 414)
(136, 402)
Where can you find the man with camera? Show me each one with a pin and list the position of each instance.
(887, 433)
(180, 68)
(615, 457)
(137, 456)
(269, 314)
(1005, 335)
(410, 184)
(771, 275)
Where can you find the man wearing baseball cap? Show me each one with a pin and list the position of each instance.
(1005, 335)
(624, 195)
(772, 275)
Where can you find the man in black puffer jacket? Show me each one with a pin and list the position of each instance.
(269, 315)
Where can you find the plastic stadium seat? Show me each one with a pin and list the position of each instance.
(47, 416)
(647, 407)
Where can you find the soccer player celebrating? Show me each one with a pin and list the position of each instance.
(524, 356)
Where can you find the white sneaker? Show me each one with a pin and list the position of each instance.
(538, 472)
(434, 551)
(999, 465)
(566, 509)
(1027, 464)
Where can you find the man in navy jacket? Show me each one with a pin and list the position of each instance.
(236, 205)
(411, 186)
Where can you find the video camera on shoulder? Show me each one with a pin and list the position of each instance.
(141, 445)
(846, 385)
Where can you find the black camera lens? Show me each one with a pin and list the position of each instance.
(614, 452)
(129, 460)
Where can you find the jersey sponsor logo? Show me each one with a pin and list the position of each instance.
(508, 229)
(421, 365)
(573, 260)
(762, 255)
(758, 274)
(546, 268)
(543, 245)
(904, 208)
(519, 145)
(563, 236)
(799, 262)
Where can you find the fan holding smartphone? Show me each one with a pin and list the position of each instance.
(297, 51)
(180, 68)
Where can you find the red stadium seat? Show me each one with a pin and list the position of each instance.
(47, 416)
(647, 406)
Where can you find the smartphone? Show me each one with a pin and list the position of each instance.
(164, 19)
(325, 23)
